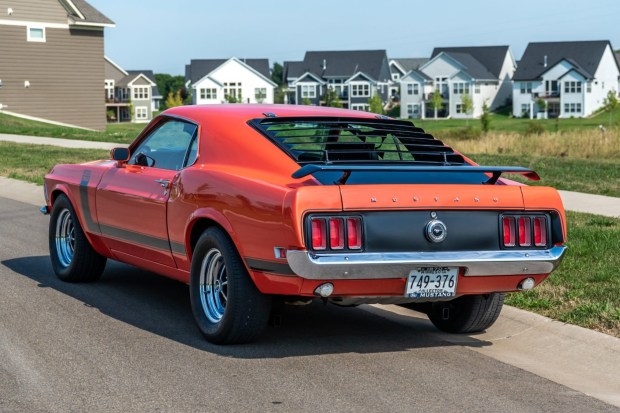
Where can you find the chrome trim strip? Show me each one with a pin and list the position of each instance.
(399, 264)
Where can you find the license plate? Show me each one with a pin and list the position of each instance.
(432, 282)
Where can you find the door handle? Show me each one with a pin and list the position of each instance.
(163, 182)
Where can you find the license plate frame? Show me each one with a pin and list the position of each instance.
(432, 282)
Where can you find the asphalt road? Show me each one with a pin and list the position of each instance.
(129, 343)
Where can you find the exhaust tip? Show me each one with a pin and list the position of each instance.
(324, 290)
(526, 284)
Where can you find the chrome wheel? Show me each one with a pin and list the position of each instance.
(65, 238)
(213, 285)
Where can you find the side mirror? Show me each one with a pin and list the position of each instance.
(120, 155)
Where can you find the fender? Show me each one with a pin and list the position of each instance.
(215, 216)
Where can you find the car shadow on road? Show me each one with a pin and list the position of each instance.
(161, 306)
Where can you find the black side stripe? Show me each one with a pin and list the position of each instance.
(269, 266)
(88, 218)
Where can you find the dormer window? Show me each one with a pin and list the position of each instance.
(36, 34)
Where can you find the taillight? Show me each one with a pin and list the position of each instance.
(354, 233)
(508, 224)
(525, 232)
(336, 233)
(319, 233)
(540, 231)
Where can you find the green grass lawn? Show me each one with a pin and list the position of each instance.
(581, 175)
(31, 162)
(585, 289)
(115, 132)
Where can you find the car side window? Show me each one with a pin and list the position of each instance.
(166, 147)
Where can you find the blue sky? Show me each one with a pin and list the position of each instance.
(167, 34)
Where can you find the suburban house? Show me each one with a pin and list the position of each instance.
(564, 79)
(51, 56)
(229, 80)
(483, 74)
(354, 75)
(130, 95)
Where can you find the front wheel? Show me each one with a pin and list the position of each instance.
(227, 306)
(467, 314)
(73, 258)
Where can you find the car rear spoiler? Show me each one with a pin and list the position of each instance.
(346, 170)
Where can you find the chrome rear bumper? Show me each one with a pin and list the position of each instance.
(398, 265)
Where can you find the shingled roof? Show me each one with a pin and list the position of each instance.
(81, 12)
(199, 68)
(341, 64)
(491, 58)
(584, 55)
(149, 74)
(410, 63)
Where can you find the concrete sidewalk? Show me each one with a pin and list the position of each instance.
(64, 143)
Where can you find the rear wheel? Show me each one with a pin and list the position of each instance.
(467, 314)
(73, 258)
(227, 306)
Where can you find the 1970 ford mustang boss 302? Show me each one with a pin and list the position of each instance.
(254, 203)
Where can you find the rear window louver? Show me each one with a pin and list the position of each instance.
(329, 140)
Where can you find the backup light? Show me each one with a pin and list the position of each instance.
(526, 284)
(324, 290)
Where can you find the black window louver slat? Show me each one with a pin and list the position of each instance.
(350, 140)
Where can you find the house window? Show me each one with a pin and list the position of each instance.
(525, 109)
(232, 90)
(109, 89)
(413, 110)
(395, 76)
(526, 87)
(141, 113)
(360, 106)
(260, 93)
(413, 89)
(572, 107)
(124, 92)
(572, 87)
(141, 92)
(476, 88)
(36, 34)
(360, 90)
(308, 91)
(551, 87)
(460, 88)
(589, 87)
(459, 108)
(208, 93)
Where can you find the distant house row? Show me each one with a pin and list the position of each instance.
(53, 69)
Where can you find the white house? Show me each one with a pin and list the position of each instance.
(482, 73)
(564, 79)
(232, 80)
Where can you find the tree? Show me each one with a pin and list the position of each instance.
(306, 101)
(260, 96)
(332, 99)
(485, 118)
(375, 104)
(167, 83)
(467, 106)
(277, 72)
(174, 99)
(436, 102)
(610, 103)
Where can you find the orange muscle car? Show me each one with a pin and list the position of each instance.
(249, 204)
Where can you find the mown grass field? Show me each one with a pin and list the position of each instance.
(585, 289)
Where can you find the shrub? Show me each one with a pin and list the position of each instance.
(534, 128)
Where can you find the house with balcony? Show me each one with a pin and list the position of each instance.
(51, 62)
(355, 76)
(229, 81)
(564, 79)
(130, 95)
(437, 88)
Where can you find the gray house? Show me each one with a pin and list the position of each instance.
(130, 95)
(51, 64)
(355, 76)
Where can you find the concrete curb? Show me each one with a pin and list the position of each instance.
(64, 143)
